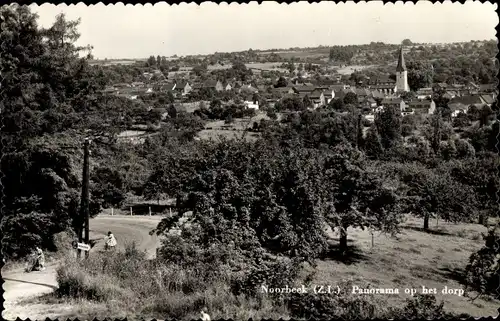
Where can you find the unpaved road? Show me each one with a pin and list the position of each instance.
(20, 286)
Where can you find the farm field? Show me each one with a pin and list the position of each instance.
(308, 53)
(267, 66)
(111, 62)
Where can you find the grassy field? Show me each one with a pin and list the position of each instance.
(217, 129)
(412, 260)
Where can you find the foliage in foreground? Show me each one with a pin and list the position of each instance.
(154, 287)
(483, 270)
(149, 288)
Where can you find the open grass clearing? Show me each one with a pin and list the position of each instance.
(414, 259)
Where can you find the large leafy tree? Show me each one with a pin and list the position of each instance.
(47, 88)
(436, 193)
(267, 193)
(480, 174)
(356, 196)
(419, 74)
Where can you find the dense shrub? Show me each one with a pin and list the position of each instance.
(483, 270)
(323, 306)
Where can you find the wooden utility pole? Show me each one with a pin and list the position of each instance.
(84, 209)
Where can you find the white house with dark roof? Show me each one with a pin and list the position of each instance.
(183, 87)
(251, 103)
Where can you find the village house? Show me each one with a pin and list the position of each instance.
(457, 108)
(328, 95)
(378, 95)
(281, 91)
(341, 93)
(183, 87)
(421, 106)
(468, 100)
(440, 86)
(215, 85)
(462, 104)
(368, 102)
(317, 98)
(147, 76)
(164, 87)
(303, 89)
(384, 88)
(338, 86)
(487, 99)
(397, 103)
(424, 93)
(251, 102)
(362, 94)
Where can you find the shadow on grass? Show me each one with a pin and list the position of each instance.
(29, 282)
(454, 274)
(429, 231)
(352, 255)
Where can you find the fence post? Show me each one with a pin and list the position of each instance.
(111, 211)
(150, 211)
(170, 211)
(130, 210)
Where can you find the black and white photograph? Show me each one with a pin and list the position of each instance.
(256, 160)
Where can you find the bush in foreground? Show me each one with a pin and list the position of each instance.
(483, 271)
(152, 288)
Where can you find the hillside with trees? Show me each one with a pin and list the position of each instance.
(287, 208)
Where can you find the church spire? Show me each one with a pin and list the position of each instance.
(401, 61)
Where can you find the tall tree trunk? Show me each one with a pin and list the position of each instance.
(482, 219)
(426, 221)
(343, 239)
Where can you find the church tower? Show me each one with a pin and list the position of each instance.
(401, 74)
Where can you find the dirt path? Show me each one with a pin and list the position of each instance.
(20, 286)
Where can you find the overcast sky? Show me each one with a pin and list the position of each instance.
(128, 31)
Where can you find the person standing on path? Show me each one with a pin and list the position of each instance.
(110, 242)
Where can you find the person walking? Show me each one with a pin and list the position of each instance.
(40, 259)
(36, 260)
(110, 243)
